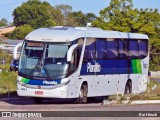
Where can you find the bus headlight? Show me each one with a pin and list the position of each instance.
(65, 83)
(62, 84)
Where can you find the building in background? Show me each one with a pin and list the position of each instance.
(8, 45)
(6, 29)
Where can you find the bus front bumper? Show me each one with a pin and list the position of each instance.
(60, 92)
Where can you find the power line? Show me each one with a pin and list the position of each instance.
(11, 3)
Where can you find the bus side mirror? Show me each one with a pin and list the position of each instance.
(70, 52)
(16, 49)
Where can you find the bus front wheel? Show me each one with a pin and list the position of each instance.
(82, 95)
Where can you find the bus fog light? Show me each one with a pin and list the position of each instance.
(62, 93)
(24, 89)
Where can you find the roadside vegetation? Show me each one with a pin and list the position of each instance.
(152, 93)
(5, 60)
(7, 82)
(7, 78)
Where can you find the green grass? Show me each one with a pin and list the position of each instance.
(7, 82)
(152, 83)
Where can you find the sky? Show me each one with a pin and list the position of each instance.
(86, 6)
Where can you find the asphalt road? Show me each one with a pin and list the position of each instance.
(54, 105)
(58, 105)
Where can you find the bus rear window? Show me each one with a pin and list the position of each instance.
(143, 51)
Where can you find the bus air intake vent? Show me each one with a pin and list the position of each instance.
(58, 28)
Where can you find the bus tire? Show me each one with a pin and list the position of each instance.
(37, 100)
(82, 95)
(128, 88)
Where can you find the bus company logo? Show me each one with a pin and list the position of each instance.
(49, 82)
(93, 68)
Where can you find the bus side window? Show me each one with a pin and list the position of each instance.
(101, 48)
(112, 51)
(89, 53)
(133, 49)
(122, 49)
(143, 48)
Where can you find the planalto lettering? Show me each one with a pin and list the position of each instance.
(49, 82)
(93, 68)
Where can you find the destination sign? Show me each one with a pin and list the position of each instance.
(34, 44)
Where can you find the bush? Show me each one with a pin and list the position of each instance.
(8, 81)
(152, 83)
(19, 32)
(5, 67)
(7, 59)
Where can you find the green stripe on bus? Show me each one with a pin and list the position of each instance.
(25, 80)
(139, 67)
(136, 66)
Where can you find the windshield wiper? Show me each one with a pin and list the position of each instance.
(37, 66)
(45, 70)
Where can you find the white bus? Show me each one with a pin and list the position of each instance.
(82, 62)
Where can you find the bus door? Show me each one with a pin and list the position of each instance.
(73, 66)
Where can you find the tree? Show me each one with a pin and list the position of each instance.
(3, 22)
(117, 16)
(152, 18)
(120, 16)
(66, 10)
(34, 13)
(90, 17)
(57, 16)
(78, 18)
(72, 18)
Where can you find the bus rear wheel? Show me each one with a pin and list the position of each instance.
(82, 95)
(128, 88)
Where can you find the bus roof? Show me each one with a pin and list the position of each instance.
(67, 34)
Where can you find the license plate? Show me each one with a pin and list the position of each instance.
(39, 92)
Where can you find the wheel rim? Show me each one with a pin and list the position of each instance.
(81, 94)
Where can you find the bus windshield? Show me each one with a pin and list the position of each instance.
(44, 60)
